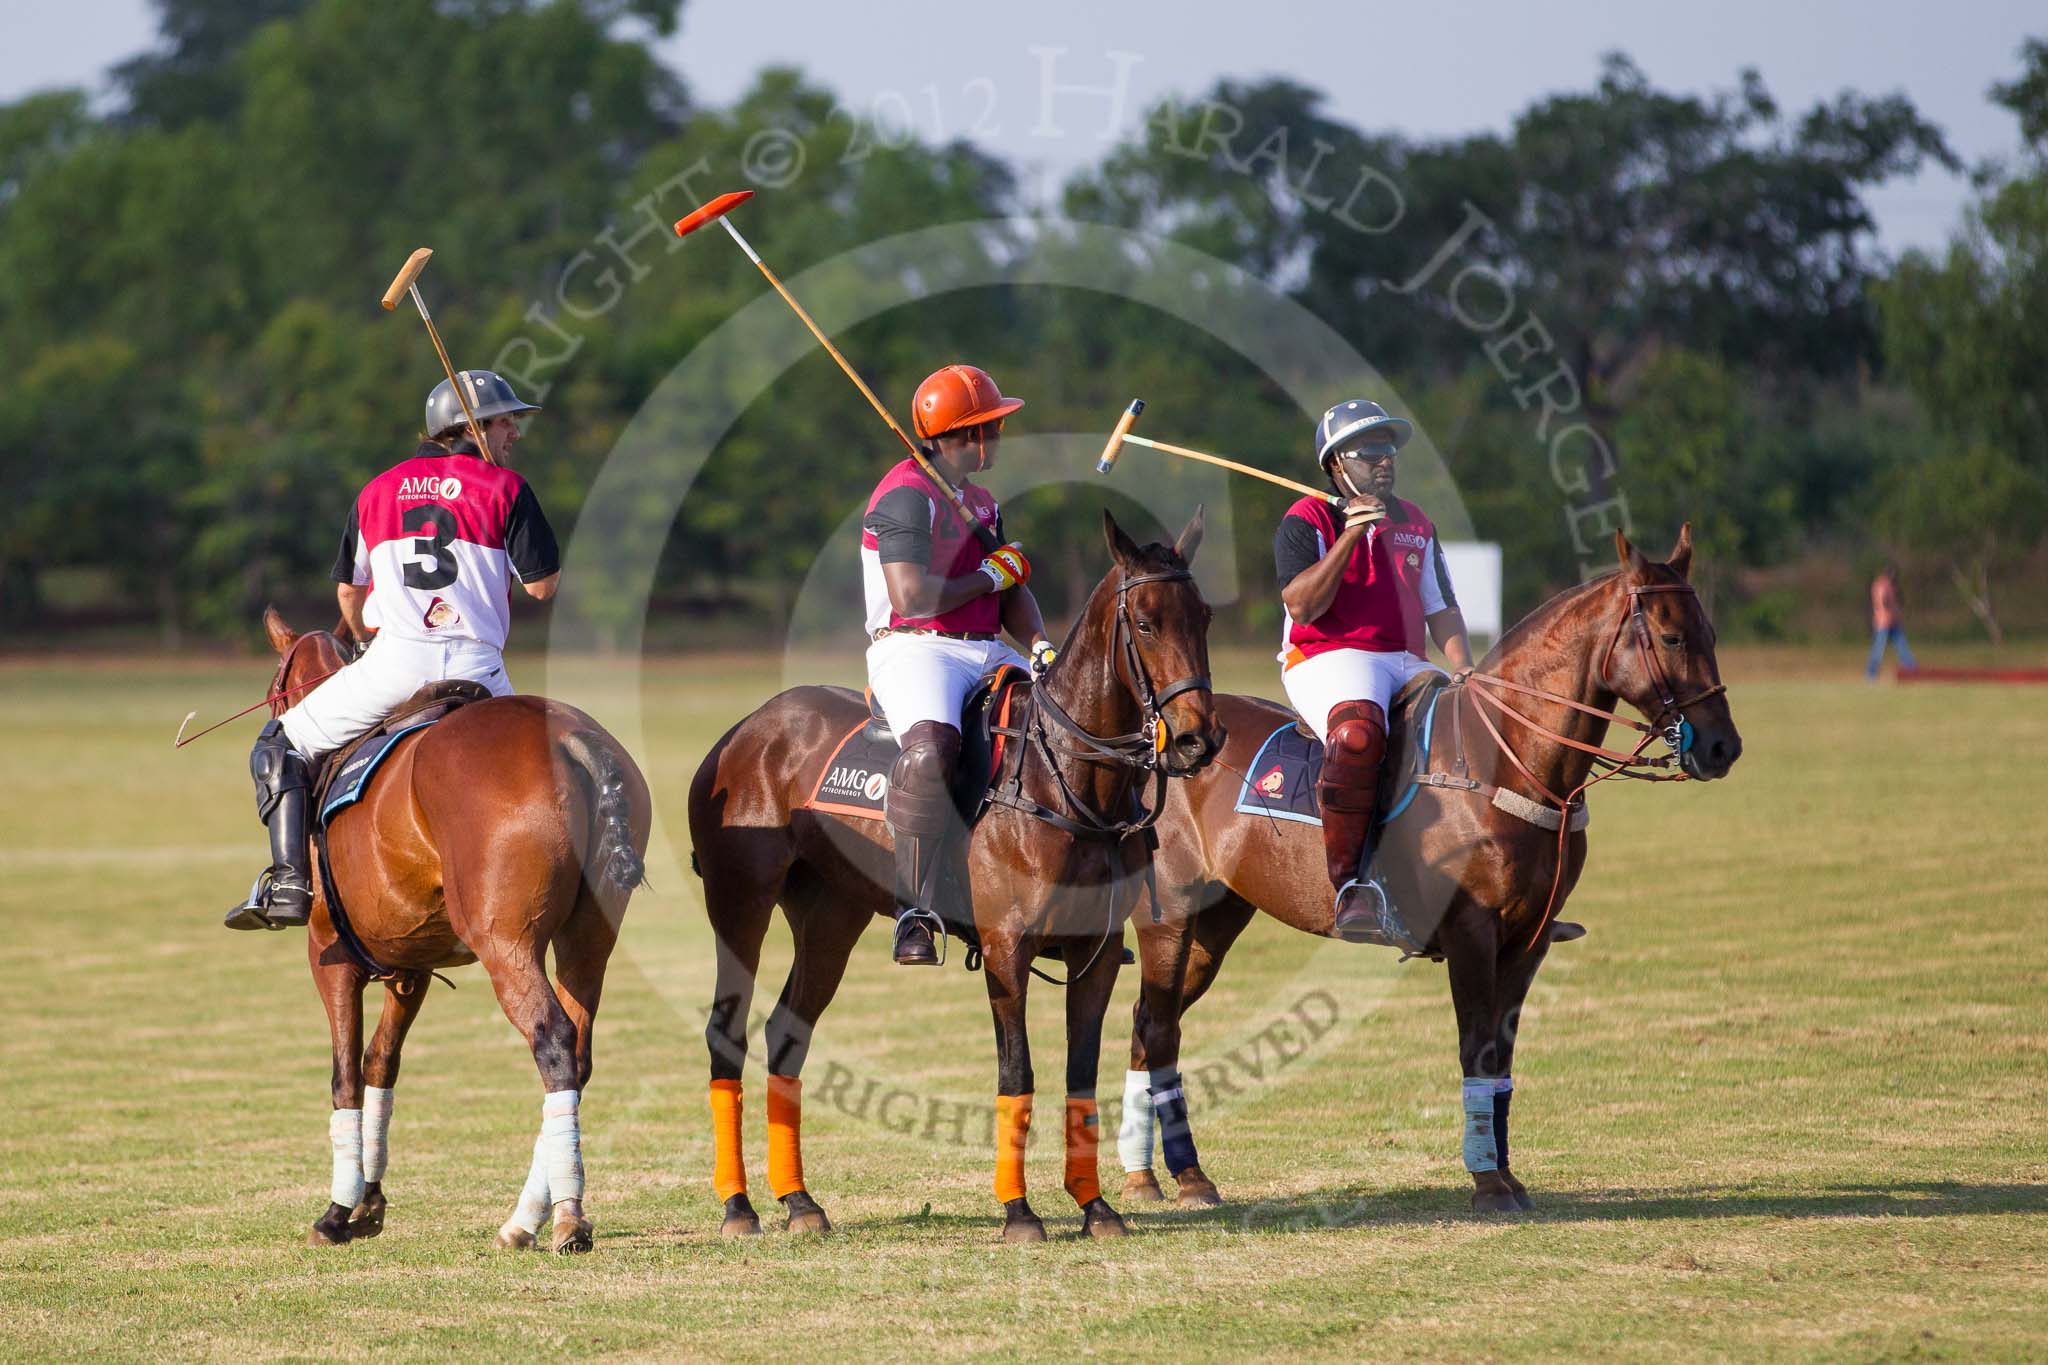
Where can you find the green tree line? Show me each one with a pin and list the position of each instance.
(1628, 304)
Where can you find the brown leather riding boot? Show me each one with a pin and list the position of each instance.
(920, 814)
(1350, 795)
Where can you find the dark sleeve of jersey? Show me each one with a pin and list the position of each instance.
(345, 559)
(902, 527)
(529, 540)
(1296, 546)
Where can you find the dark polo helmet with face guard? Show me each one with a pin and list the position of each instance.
(1355, 417)
(489, 396)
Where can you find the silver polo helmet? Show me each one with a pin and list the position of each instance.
(1354, 416)
(489, 396)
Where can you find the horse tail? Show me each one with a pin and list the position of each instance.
(613, 861)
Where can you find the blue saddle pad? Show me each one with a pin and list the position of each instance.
(354, 777)
(1281, 781)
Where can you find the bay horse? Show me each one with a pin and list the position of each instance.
(513, 825)
(1477, 879)
(1059, 865)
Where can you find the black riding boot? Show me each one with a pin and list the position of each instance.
(920, 815)
(282, 897)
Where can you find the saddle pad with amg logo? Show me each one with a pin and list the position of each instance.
(855, 780)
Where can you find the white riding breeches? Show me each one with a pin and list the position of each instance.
(1324, 681)
(390, 670)
(927, 677)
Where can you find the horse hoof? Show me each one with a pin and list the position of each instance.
(805, 1216)
(1524, 1202)
(572, 1235)
(331, 1229)
(367, 1218)
(1098, 1219)
(1494, 1201)
(740, 1218)
(512, 1237)
(1519, 1191)
(1197, 1191)
(1026, 1229)
(1142, 1187)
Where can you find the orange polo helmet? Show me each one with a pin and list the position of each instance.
(955, 397)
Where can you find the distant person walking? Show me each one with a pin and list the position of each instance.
(1885, 625)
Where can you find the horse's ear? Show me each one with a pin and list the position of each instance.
(1190, 538)
(1681, 554)
(1122, 548)
(280, 632)
(1632, 560)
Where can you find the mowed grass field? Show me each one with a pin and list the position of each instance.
(1786, 1099)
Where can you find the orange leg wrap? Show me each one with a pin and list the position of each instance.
(1083, 1133)
(1013, 1132)
(728, 1165)
(785, 1135)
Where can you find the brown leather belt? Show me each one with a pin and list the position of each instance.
(942, 634)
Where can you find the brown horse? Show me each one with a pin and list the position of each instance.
(1059, 866)
(1479, 884)
(513, 825)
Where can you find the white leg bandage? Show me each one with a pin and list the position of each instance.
(345, 1133)
(1480, 1152)
(376, 1125)
(1134, 1134)
(532, 1209)
(562, 1135)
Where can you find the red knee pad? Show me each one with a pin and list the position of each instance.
(1352, 757)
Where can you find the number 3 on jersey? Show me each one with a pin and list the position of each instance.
(432, 564)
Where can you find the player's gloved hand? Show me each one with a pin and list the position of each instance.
(1007, 567)
(1042, 655)
(1363, 511)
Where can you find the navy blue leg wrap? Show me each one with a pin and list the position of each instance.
(1500, 1125)
(1170, 1111)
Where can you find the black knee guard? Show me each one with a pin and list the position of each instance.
(919, 809)
(277, 768)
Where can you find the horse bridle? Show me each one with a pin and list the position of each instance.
(1668, 723)
(1670, 717)
(1143, 748)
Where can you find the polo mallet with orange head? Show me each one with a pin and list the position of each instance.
(407, 282)
(717, 209)
(1121, 437)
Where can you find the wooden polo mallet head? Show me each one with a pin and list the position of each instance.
(407, 282)
(1121, 436)
(1115, 445)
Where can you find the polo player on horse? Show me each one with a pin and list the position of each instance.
(1360, 583)
(935, 606)
(425, 562)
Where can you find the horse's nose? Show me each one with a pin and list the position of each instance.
(1722, 751)
(1193, 749)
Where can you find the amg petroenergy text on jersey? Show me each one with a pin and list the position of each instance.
(437, 540)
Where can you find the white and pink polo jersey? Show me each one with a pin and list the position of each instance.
(910, 521)
(437, 539)
(1396, 577)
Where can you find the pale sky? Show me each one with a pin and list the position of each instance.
(1424, 69)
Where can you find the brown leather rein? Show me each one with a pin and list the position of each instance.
(1667, 723)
